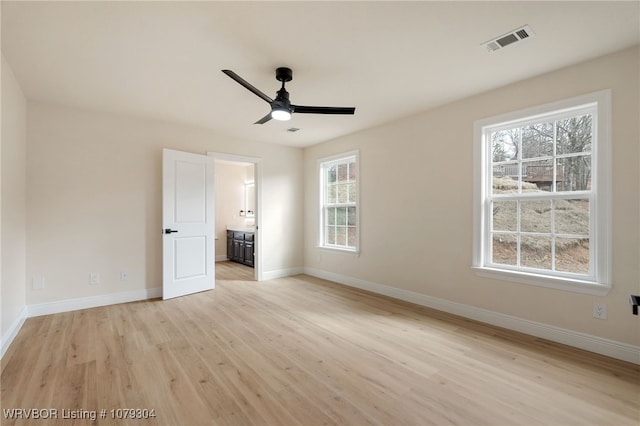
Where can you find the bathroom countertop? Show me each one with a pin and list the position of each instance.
(241, 228)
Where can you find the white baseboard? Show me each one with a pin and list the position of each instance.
(12, 332)
(281, 273)
(599, 345)
(92, 302)
(221, 258)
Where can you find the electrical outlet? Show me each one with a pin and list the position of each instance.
(600, 311)
(124, 276)
(37, 283)
(94, 278)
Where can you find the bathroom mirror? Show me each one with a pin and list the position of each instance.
(250, 199)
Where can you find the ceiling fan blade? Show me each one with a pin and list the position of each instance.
(264, 119)
(247, 85)
(322, 110)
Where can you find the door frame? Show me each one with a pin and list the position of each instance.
(257, 171)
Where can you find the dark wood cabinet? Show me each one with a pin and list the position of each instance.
(248, 254)
(240, 247)
(229, 244)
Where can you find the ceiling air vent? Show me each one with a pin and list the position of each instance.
(508, 38)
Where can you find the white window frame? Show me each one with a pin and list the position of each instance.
(598, 282)
(323, 165)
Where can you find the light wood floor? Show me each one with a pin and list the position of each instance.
(234, 271)
(303, 351)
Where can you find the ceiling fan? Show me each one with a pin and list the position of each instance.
(281, 107)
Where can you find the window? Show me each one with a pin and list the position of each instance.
(339, 202)
(542, 196)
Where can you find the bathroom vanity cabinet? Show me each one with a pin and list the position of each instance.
(240, 246)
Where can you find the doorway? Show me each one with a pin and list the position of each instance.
(238, 212)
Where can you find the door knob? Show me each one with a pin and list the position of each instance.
(170, 231)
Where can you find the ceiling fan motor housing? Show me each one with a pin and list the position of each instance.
(282, 100)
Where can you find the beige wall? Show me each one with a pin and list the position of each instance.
(13, 211)
(230, 188)
(416, 208)
(94, 199)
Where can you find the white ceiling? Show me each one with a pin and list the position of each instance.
(162, 60)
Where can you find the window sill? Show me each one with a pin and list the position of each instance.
(354, 252)
(557, 283)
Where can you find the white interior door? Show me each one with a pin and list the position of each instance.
(188, 217)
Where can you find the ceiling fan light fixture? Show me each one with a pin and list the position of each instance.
(280, 114)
